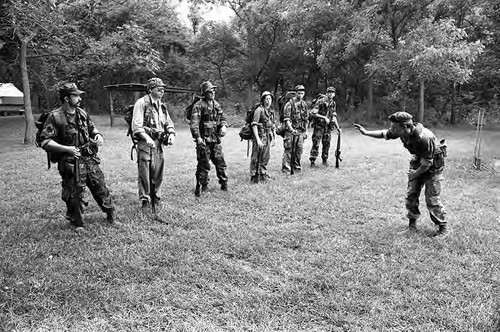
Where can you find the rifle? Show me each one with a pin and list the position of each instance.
(338, 159)
(293, 153)
(256, 176)
(152, 191)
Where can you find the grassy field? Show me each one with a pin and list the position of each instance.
(324, 250)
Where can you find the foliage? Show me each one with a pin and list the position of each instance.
(289, 255)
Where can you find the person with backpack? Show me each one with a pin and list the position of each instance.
(152, 127)
(324, 119)
(71, 137)
(263, 123)
(295, 116)
(208, 125)
(426, 166)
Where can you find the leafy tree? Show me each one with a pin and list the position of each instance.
(31, 25)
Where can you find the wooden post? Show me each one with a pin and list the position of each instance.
(111, 107)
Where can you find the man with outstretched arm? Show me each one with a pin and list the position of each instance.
(426, 166)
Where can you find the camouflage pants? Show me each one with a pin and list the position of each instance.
(73, 193)
(287, 162)
(260, 157)
(144, 155)
(205, 153)
(432, 183)
(323, 135)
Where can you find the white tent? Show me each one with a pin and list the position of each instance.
(10, 95)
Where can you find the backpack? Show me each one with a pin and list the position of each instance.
(129, 113)
(313, 104)
(188, 112)
(282, 102)
(246, 132)
(52, 157)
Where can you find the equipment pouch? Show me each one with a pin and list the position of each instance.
(209, 127)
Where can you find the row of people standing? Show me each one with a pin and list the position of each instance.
(69, 134)
(295, 119)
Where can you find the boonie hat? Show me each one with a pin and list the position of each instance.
(207, 86)
(69, 89)
(400, 117)
(330, 89)
(155, 82)
(300, 88)
(266, 93)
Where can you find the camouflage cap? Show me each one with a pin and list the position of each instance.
(207, 86)
(400, 117)
(69, 89)
(155, 82)
(300, 88)
(266, 93)
(330, 89)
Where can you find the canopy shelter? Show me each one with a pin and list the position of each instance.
(136, 87)
(11, 99)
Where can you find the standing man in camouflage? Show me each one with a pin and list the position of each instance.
(263, 134)
(71, 135)
(426, 166)
(295, 123)
(153, 128)
(324, 120)
(208, 125)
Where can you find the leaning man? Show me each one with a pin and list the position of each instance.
(426, 166)
(70, 134)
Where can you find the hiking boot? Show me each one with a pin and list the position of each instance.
(158, 205)
(254, 179)
(145, 204)
(223, 186)
(197, 190)
(78, 229)
(412, 225)
(442, 231)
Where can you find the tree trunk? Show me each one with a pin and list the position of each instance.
(454, 109)
(29, 133)
(371, 112)
(420, 117)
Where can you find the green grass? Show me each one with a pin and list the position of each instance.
(324, 250)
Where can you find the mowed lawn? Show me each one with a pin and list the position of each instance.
(324, 250)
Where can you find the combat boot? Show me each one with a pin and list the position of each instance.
(197, 190)
(223, 186)
(110, 217)
(442, 231)
(412, 225)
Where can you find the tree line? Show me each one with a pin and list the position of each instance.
(438, 59)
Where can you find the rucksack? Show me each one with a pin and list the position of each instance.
(313, 104)
(246, 132)
(188, 112)
(282, 102)
(129, 114)
(52, 157)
